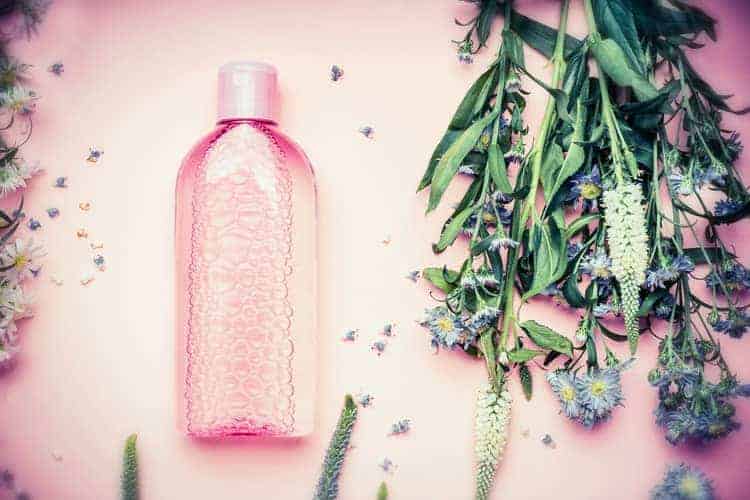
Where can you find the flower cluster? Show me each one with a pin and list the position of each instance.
(691, 408)
(628, 249)
(491, 434)
(20, 260)
(665, 275)
(589, 398)
(683, 482)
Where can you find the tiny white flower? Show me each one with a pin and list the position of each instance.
(27, 170)
(10, 180)
(19, 100)
(22, 259)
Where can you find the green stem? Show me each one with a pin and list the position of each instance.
(607, 110)
(521, 214)
(550, 115)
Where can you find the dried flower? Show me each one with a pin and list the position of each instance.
(683, 482)
(400, 427)
(367, 131)
(53, 212)
(34, 224)
(336, 73)
(56, 68)
(379, 347)
(465, 52)
(414, 275)
(94, 156)
(349, 335)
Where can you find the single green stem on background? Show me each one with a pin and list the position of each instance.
(521, 215)
(607, 111)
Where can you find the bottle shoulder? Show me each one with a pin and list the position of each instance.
(291, 152)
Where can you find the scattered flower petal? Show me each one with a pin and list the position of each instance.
(367, 131)
(81, 233)
(53, 212)
(94, 156)
(337, 73)
(56, 68)
(401, 427)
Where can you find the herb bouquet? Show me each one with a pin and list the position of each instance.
(624, 162)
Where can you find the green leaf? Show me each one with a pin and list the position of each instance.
(613, 62)
(539, 36)
(382, 491)
(498, 169)
(448, 139)
(448, 165)
(441, 277)
(452, 229)
(550, 257)
(576, 155)
(527, 383)
(610, 334)
(572, 294)
(579, 224)
(327, 487)
(551, 166)
(474, 100)
(714, 253)
(560, 97)
(129, 480)
(513, 47)
(615, 21)
(649, 302)
(522, 355)
(547, 338)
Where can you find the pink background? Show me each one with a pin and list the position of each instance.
(97, 361)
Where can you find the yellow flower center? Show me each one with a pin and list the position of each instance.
(21, 261)
(568, 394)
(689, 487)
(598, 388)
(445, 325)
(590, 191)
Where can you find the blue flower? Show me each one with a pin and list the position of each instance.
(446, 328)
(735, 324)
(682, 482)
(465, 52)
(336, 73)
(663, 308)
(600, 392)
(573, 250)
(601, 310)
(734, 276)
(680, 184)
(485, 316)
(724, 208)
(659, 277)
(563, 384)
(598, 266)
(586, 186)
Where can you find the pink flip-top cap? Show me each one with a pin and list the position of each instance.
(248, 89)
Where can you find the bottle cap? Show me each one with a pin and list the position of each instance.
(248, 89)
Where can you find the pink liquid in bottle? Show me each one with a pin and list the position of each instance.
(246, 290)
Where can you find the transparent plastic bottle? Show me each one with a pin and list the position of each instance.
(246, 285)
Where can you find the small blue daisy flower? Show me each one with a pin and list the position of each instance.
(379, 347)
(56, 68)
(61, 182)
(573, 250)
(600, 392)
(586, 186)
(563, 384)
(34, 224)
(401, 427)
(445, 327)
(598, 265)
(682, 482)
(724, 208)
(53, 212)
(367, 131)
